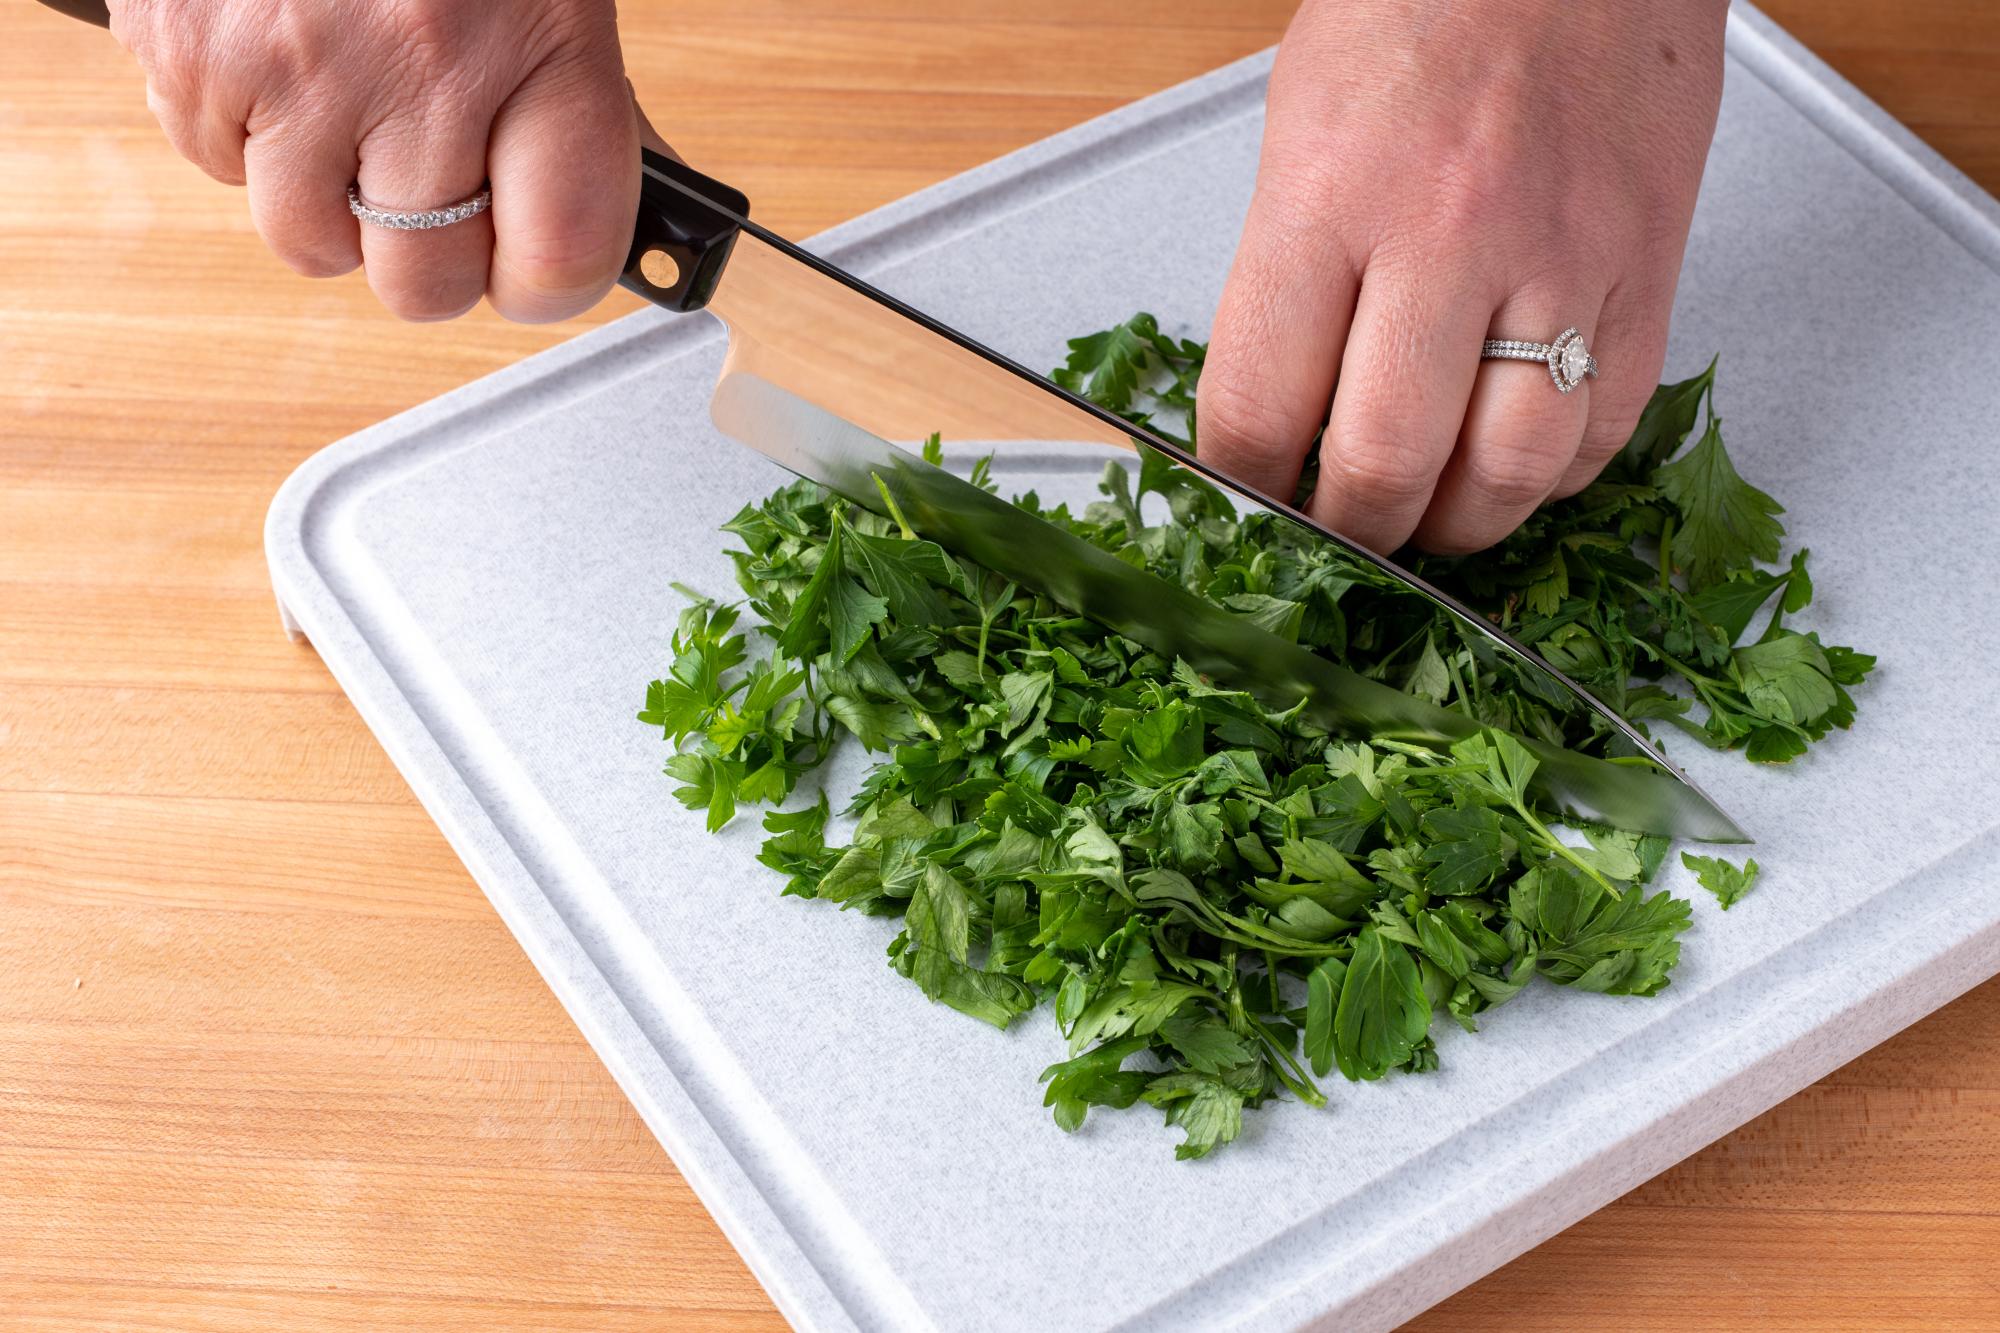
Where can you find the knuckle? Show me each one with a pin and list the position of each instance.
(1249, 419)
(433, 298)
(1602, 439)
(164, 105)
(215, 159)
(128, 24)
(1513, 474)
(427, 37)
(137, 26)
(184, 70)
(1635, 352)
(1464, 196)
(1297, 181)
(1461, 537)
(440, 56)
(1599, 247)
(1581, 473)
(431, 309)
(170, 100)
(207, 146)
(575, 28)
(1379, 468)
(1458, 220)
(295, 50)
(1612, 421)
(1306, 197)
(318, 261)
(563, 271)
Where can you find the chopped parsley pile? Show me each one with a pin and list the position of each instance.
(1221, 902)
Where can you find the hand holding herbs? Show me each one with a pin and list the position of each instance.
(1222, 902)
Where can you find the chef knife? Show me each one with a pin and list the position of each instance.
(824, 371)
(827, 375)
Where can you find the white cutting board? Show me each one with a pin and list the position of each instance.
(488, 577)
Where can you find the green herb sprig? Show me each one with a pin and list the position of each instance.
(1223, 903)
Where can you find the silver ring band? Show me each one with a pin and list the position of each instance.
(423, 219)
(1568, 360)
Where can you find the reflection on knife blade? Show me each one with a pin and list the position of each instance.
(820, 445)
(866, 359)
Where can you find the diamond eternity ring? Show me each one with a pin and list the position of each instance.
(1567, 358)
(422, 219)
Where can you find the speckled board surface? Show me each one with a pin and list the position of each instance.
(487, 576)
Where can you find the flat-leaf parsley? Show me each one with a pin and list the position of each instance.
(1220, 902)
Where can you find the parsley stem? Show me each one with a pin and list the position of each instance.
(895, 510)
(1288, 1069)
(1457, 681)
(1239, 1022)
(1695, 677)
(1567, 852)
(1667, 555)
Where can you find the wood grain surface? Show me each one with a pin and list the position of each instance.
(267, 1058)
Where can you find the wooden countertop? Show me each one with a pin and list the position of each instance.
(267, 1057)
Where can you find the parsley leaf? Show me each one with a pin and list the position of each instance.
(1207, 1108)
(1105, 367)
(1383, 1010)
(1726, 523)
(1727, 882)
(1219, 903)
(1786, 679)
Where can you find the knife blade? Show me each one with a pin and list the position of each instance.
(825, 374)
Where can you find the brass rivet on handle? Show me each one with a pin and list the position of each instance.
(659, 268)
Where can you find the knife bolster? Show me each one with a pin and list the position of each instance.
(688, 219)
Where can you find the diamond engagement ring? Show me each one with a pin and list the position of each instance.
(1567, 358)
(422, 219)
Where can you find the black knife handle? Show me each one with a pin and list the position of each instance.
(90, 11)
(687, 223)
